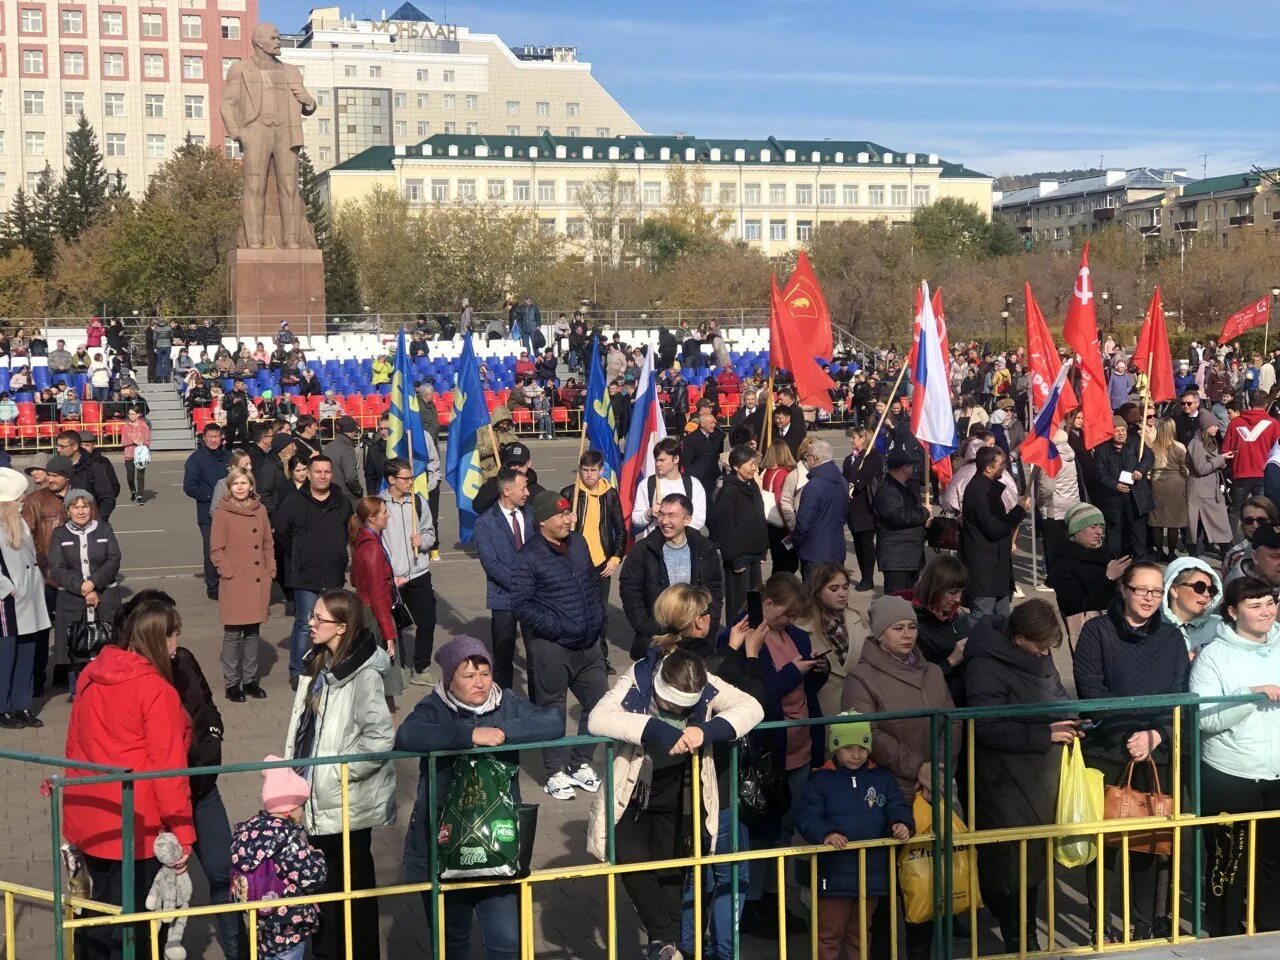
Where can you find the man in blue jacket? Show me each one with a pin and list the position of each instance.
(204, 468)
(557, 600)
(824, 501)
(500, 534)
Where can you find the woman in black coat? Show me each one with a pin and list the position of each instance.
(863, 469)
(1016, 766)
(740, 529)
(943, 626)
(900, 523)
(1124, 505)
(986, 535)
(1132, 651)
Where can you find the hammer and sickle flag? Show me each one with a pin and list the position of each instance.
(808, 309)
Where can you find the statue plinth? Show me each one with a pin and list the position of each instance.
(269, 285)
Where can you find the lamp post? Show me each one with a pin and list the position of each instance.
(1004, 315)
(1266, 334)
(1104, 296)
(1111, 320)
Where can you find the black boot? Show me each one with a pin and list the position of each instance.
(235, 694)
(255, 691)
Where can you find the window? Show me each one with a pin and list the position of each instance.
(72, 103)
(450, 127)
(572, 109)
(804, 194)
(439, 190)
(230, 28)
(422, 76)
(920, 196)
(543, 130)
(32, 21)
(546, 191)
(473, 129)
(112, 23)
(322, 126)
(113, 104)
(826, 197)
(706, 194)
(153, 65)
(472, 102)
(324, 154)
(575, 228)
(777, 194)
(777, 229)
(349, 72)
(466, 189)
(401, 101)
(375, 73)
(513, 130)
(413, 190)
(33, 61)
(73, 21)
(1057, 233)
(520, 191)
(424, 100)
(191, 27)
(573, 190)
(197, 139)
(804, 228)
(153, 105)
(728, 193)
(193, 108)
(751, 194)
(627, 192)
(751, 230)
(449, 101)
(544, 108)
(115, 144)
(33, 180)
(497, 189)
(652, 192)
(192, 68)
(152, 25)
(33, 143)
(2, 184)
(33, 103)
(602, 131)
(898, 195)
(231, 149)
(424, 128)
(513, 108)
(448, 76)
(73, 64)
(322, 98)
(1, 143)
(573, 131)
(402, 128)
(875, 195)
(849, 195)
(156, 145)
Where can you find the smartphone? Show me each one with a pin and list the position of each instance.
(755, 609)
(1086, 725)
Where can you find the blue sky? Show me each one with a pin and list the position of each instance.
(1004, 86)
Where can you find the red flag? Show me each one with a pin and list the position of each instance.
(1042, 358)
(1152, 354)
(789, 351)
(942, 324)
(1254, 315)
(936, 301)
(1081, 334)
(808, 307)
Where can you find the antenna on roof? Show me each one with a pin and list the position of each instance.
(1204, 165)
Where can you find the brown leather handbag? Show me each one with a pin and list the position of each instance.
(1123, 802)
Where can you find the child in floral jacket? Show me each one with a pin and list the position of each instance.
(271, 859)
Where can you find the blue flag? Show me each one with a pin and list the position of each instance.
(602, 433)
(407, 440)
(470, 416)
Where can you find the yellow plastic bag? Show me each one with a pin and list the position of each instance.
(1080, 792)
(915, 869)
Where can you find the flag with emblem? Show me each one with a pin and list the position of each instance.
(1043, 363)
(1081, 334)
(602, 432)
(1039, 449)
(406, 440)
(790, 350)
(470, 416)
(1253, 315)
(933, 418)
(808, 308)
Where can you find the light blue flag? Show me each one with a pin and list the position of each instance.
(407, 440)
(602, 433)
(470, 416)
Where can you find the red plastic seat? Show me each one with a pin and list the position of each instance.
(200, 416)
(560, 415)
(446, 416)
(91, 412)
(522, 418)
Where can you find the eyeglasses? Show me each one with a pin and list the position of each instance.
(1201, 587)
(399, 477)
(318, 619)
(1189, 403)
(1252, 521)
(1147, 593)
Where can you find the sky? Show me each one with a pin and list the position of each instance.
(1002, 86)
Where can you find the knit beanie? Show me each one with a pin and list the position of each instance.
(1081, 515)
(852, 733)
(1119, 421)
(282, 789)
(1206, 419)
(547, 504)
(461, 647)
(888, 610)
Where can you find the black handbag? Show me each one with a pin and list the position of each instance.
(87, 636)
(763, 792)
(400, 610)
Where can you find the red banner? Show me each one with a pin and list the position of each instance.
(1152, 354)
(789, 351)
(1254, 315)
(1043, 363)
(1081, 334)
(808, 308)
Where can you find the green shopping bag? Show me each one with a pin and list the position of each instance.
(479, 829)
(1080, 792)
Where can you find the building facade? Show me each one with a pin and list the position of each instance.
(1061, 213)
(145, 74)
(1212, 210)
(400, 79)
(771, 193)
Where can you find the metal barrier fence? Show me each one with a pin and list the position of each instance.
(942, 842)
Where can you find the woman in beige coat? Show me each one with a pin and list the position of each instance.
(836, 630)
(241, 547)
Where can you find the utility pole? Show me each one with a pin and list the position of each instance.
(1204, 165)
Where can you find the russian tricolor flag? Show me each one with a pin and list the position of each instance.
(933, 419)
(646, 429)
(1039, 449)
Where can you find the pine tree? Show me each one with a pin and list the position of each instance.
(17, 222)
(117, 193)
(340, 293)
(44, 221)
(82, 195)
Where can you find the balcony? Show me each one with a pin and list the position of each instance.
(1244, 220)
(1104, 213)
(1151, 231)
(1185, 226)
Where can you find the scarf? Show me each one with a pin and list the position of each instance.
(82, 534)
(457, 706)
(836, 630)
(910, 660)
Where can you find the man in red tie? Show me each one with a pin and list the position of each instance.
(500, 533)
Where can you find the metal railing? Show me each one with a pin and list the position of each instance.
(942, 841)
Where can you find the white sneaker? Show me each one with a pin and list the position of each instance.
(560, 787)
(585, 778)
(1017, 591)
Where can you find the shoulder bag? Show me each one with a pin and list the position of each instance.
(1123, 802)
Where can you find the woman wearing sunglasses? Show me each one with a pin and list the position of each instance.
(1256, 511)
(1192, 595)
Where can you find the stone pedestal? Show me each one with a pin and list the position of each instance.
(269, 285)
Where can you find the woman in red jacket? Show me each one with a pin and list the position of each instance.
(373, 581)
(777, 464)
(127, 713)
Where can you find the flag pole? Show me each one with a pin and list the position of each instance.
(1032, 481)
(767, 426)
(409, 401)
(582, 446)
(876, 433)
(1146, 401)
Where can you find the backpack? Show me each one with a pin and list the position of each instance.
(261, 883)
(684, 477)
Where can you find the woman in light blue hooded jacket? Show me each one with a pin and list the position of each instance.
(1240, 758)
(1192, 595)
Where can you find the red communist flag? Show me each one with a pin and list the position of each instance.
(1081, 334)
(1043, 363)
(1254, 315)
(789, 350)
(808, 308)
(1152, 353)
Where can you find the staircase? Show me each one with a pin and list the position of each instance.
(170, 426)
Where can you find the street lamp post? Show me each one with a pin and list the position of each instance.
(1004, 315)
(1111, 320)
(1266, 334)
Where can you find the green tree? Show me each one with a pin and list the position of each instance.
(950, 227)
(44, 222)
(17, 222)
(341, 294)
(82, 195)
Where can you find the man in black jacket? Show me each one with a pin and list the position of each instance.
(680, 555)
(701, 450)
(93, 473)
(515, 454)
(266, 469)
(236, 403)
(900, 524)
(375, 459)
(598, 517)
(986, 536)
(312, 528)
(750, 414)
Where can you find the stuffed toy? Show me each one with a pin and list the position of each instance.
(170, 891)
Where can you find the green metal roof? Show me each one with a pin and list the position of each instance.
(1231, 181)
(381, 158)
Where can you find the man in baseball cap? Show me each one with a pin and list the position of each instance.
(556, 599)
